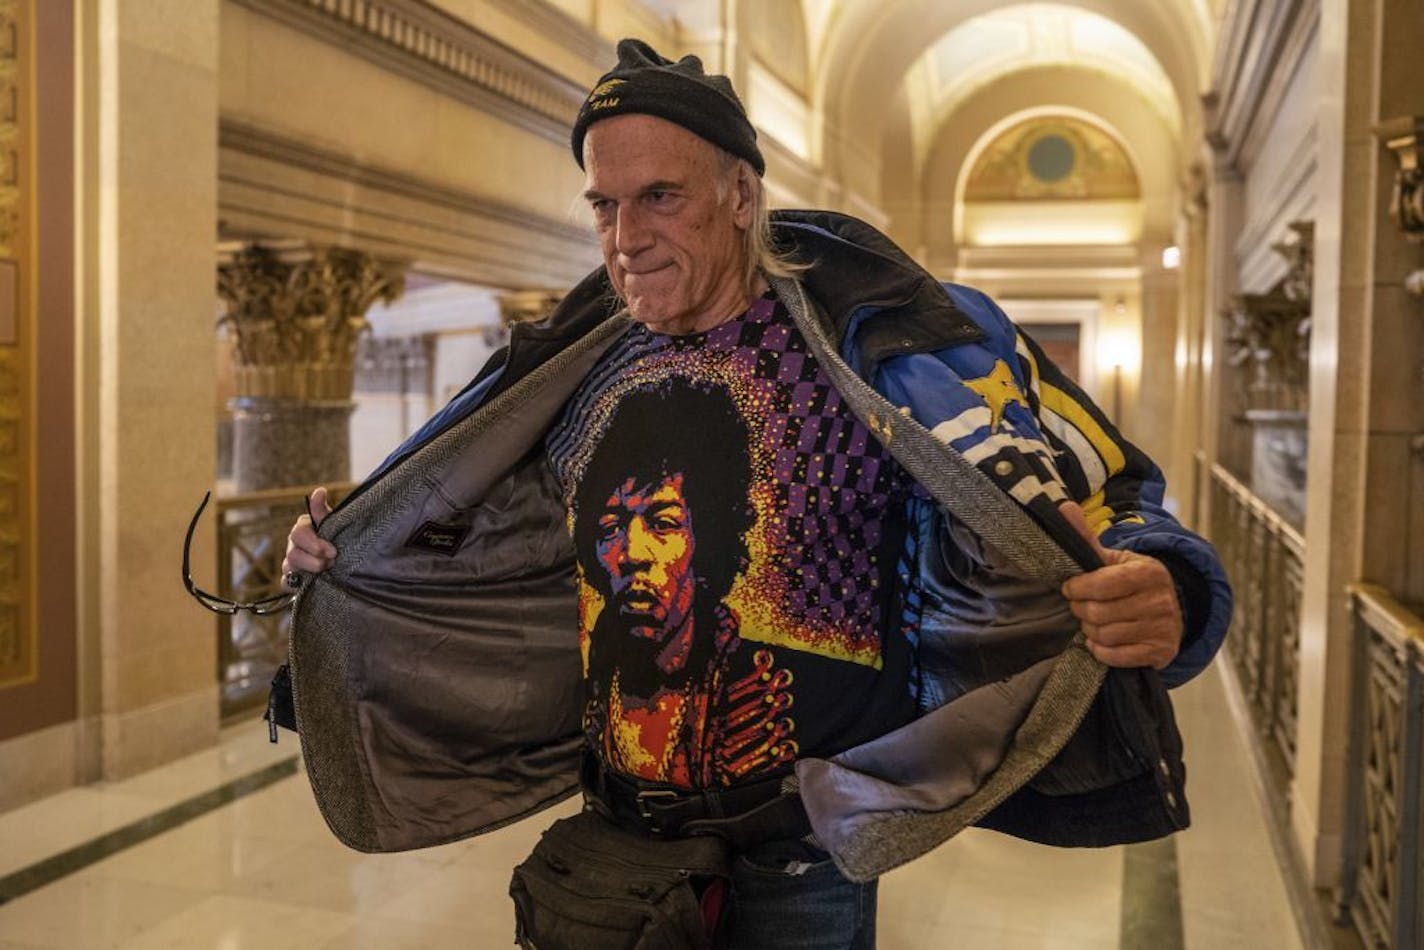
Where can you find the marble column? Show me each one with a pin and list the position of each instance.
(1185, 479)
(1222, 437)
(296, 315)
(1155, 397)
(146, 115)
(1364, 371)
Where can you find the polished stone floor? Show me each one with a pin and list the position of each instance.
(262, 871)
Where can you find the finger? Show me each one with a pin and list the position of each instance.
(1133, 574)
(1131, 656)
(1126, 633)
(304, 537)
(300, 560)
(1099, 611)
(317, 505)
(1152, 605)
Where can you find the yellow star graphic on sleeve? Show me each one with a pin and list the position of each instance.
(998, 389)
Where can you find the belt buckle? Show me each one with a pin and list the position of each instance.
(642, 799)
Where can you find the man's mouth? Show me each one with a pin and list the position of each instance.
(645, 271)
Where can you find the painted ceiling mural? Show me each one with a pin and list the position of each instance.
(1053, 158)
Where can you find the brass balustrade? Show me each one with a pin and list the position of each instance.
(1264, 557)
(252, 540)
(1384, 845)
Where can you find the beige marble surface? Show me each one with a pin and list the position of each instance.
(265, 872)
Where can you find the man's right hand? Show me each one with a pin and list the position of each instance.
(305, 551)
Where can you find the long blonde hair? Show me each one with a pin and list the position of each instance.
(762, 256)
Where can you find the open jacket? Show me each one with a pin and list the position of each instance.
(436, 669)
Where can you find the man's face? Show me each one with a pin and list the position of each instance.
(645, 545)
(673, 248)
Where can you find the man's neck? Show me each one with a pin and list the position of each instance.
(728, 307)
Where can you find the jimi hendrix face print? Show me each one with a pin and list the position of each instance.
(735, 530)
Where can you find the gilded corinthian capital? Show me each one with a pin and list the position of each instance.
(296, 314)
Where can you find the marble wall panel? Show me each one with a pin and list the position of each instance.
(288, 81)
(1395, 361)
(36, 764)
(140, 739)
(150, 140)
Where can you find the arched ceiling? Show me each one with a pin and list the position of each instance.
(924, 204)
(937, 54)
(985, 49)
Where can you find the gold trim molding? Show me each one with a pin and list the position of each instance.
(423, 43)
(19, 648)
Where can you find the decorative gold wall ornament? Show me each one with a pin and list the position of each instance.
(1405, 139)
(527, 306)
(1270, 333)
(19, 651)
(1300, 256)
(297, 314)
(1053, 158)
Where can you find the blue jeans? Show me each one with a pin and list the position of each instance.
(786, 896)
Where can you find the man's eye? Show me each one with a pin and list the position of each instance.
(666, 523)
(658, 197)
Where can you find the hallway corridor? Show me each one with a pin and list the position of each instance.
(231, 853)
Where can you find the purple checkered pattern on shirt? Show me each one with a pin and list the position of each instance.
(831, 478)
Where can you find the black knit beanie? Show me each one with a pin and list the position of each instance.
(644, 82)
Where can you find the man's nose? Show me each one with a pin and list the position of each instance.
(632, 234)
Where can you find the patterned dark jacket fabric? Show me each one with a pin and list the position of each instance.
(437, 687)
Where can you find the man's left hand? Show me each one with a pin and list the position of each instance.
(1128, 607)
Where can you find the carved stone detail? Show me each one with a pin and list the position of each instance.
(527, 306)
(297, 314)
(1405, 138)
(1300, 257)
(417, 39)
(1270, 333)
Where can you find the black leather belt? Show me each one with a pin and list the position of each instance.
(746, 815)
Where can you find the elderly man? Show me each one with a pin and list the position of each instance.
(881, 662)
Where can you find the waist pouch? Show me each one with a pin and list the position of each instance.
(590, 885)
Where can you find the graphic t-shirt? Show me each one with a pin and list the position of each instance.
(736, 530)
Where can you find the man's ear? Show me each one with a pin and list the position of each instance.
(744, 196)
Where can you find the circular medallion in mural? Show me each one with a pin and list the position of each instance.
(1052, 158)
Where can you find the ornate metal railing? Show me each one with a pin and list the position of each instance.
(252, 539)
(1264, 557)
(1385, 844)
